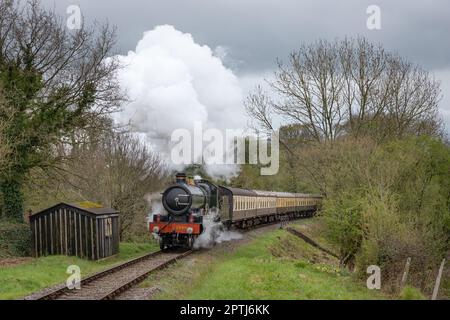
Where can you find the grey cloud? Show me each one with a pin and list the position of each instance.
(258, 31)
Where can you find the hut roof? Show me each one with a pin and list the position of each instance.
(93, 209)
(87, 206)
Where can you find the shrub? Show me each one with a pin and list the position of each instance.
(393, 204)
(411, 293)
(343, 218)
(15, 239)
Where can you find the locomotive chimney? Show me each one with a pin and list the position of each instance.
(181, 177)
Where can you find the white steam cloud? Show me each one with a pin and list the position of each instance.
(172, 82)
(215, 232)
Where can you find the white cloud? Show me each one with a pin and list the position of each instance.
(173, 82)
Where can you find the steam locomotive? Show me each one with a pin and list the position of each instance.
(189, 201)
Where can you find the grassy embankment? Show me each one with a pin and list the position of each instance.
(274, 265)
(19, 280)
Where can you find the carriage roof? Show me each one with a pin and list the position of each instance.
(264, 193)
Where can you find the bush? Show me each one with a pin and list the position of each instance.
(411, 293)
(390, 204)
(15, 239)
(343, 218)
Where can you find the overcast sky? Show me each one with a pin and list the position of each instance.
(250, 34)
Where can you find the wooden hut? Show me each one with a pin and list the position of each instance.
(86, 230)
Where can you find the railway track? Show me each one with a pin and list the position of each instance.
(109, 283)
(114, 281)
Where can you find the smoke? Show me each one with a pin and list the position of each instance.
(157, 208)
(154, 200)
(173, 82)
(214, 232)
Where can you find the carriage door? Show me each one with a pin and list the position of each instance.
(225, 211)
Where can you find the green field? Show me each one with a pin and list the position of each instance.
(275, 265)
(35, 274)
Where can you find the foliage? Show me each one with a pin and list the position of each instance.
(383, 202)
(402, 210)
(89, 205)
(53, 82)
(411, 293)
(344, 218)
(15, 239)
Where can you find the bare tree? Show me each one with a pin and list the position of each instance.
(352, 87)
(117, 170)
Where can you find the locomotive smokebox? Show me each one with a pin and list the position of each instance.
(182, 198)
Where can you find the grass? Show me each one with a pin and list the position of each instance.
(263, 276)
(411, 293)
(35, 274)
(275, 265)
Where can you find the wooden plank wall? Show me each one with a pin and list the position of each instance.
(107, 245)
(68, 231)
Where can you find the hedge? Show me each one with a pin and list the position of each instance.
(15, 239)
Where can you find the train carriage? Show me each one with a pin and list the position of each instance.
(243, 203)
(266, 203)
